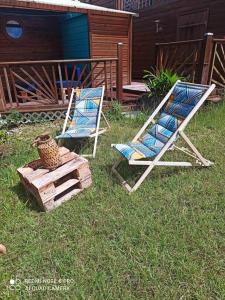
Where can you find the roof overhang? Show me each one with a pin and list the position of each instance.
(60, 5)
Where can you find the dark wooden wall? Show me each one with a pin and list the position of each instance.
(104, 3)
(40, 40)
(106, 31)
(144, 28)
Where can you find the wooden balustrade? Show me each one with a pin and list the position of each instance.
(136, 5)
(201, 61)
(217, 72)
(36, 85)
(182, 57)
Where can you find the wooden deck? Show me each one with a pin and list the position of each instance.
(135, 88)
(46, 85)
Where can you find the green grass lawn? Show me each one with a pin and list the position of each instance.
(165, 241)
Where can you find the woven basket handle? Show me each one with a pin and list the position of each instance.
(41, 139)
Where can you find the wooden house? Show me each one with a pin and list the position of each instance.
(49, 46)
(171, 34)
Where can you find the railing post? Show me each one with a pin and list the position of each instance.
(119, 4)
(159, 56)
(205, 58)
(119, 73)
(2, 97)
(61, 83)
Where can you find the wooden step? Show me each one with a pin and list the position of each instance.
(215, 98)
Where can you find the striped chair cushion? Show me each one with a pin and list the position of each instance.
(183, 99)
(86, 111)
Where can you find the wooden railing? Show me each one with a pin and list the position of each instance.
(217, 74)
(33, 84)
(181, 57)
(201, 60)
(136, 5)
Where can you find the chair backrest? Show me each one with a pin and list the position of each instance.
(183, 99)
(87, 107)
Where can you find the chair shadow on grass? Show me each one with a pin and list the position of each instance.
(129, 173)
(79, 145)
(26, 197)
(132, 173)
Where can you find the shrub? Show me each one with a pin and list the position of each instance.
(160, 82)
(14, 118)
(116, 111)
(3, 136)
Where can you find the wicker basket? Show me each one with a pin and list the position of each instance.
(48, 151)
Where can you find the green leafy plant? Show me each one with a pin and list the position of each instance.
(14, 118)
(159, 82)
(142, 117)
(116, 111)
(3, 136)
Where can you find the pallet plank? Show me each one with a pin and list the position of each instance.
(67, 157)
(24, 171)
(58, 173)
(66, 185)
(83, 172)
(63, 151)
(47, 193)
(86, 183)
(36, 174)
(66, 197)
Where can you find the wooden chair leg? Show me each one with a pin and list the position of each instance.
(142, 178)
(204, 161)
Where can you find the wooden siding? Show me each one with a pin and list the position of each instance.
(40, 40)
(208, 17)
(33, 80)
(75, 39)
(144, 28)
(105, 33)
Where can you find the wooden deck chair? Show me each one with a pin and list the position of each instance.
(85, 122)
(176, 110)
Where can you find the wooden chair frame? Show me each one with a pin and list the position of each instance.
(192, 151)
(98, 130)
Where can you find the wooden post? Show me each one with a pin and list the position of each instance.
(157, 56)
(119, 73)
(2, 97)
(119, 4)
(106, 80)
(61, 83)
(205, 58)
(8, 86)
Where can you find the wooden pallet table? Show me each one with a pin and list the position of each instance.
(52, 188)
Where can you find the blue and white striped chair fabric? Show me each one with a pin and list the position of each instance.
(86, 112)
(181, 102)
